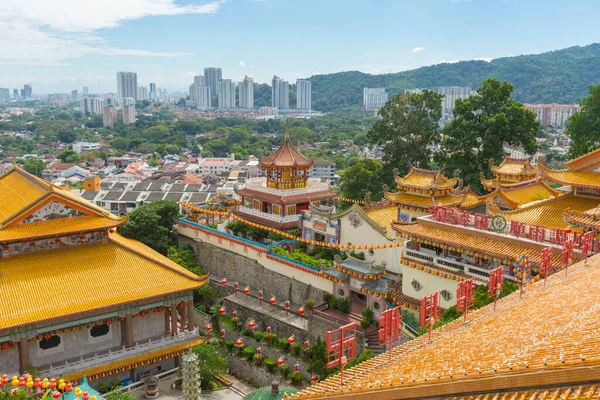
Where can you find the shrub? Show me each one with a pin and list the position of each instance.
(214, 341)
(255, 358)
(310, 304)
(340, 304)
(273, 338)
(258, 336)
(284, 369)
(229, 344)
(270, 364)
(283, 344)
(249, 353)
(296, 347)
(245, 332)
(295, 377)
(365, 323)
(326, 297)
(368, 314)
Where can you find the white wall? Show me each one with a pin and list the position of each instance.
(429, 284)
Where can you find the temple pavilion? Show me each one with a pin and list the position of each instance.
(515, 183)
(422, 189)
(278, 199)
(80, 299)
(544, 345)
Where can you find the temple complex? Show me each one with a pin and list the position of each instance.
(278, 199)
(79, 298)
(543, 343)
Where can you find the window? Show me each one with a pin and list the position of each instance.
(99, 330)
(50, 343)
(446, 295)
(341, 292)
(371, 252)
(376, 305)
(416, 285)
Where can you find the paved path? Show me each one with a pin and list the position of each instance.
(237, 392)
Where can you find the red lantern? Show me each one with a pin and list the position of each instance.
(301, 311)
(314, 378)
(82, 237)
(52, 381)
(56, 394)
(85, 395)
(222, 310)
(208, 328)
(224, 281)
(37, 383)
(239, 342)
(280, 361)
(291, 340)
(21, 381)
(31, 244)
(69, 387)
(251, 324)
(246, 291)
(57, 241)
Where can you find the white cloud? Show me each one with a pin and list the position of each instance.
(418, 49)
(48, 32)
(242, 64)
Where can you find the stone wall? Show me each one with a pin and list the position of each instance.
(219, 261)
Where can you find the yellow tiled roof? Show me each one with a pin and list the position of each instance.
(17, 192)
(586, 392)
(514, 166)
(568, 177)
(53, 284)
(496, 246)
(472, 200)
(533, 192)
(56, 227)
(547, 213)
(546, 338)
(424, 201)
(585, 161)
(128, 363)
(383, 216)
(426, 179)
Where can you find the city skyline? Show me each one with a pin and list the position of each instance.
(86, 46)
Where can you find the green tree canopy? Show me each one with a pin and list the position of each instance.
(69, 156)
(408, 125)
(584, 127)
(67, 136)
(482, 124)
(362, 177)
(151, 224)
(210, 364)
(34, 166)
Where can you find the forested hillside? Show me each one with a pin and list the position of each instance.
(561, 76)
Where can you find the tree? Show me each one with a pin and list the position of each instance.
(482, 125)
(408, 125)
(151, 224)
(69, 156)
(34, 166)
(584, 127)
(210, 364)
(362, 177)
(67, 136)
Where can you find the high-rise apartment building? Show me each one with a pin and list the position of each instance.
(553, 114)
(4, 94)
(212, 76)
(91, 106)
(128, 115)
(374, 98)
(109, 116)
(16, 94)
(74, 95)
(303, 94)
(26, 92)
(152, 91)
(452, 93)
(226, 94)
(86, 91)
(142, 93)
(280, 93)
(127, 85)
(246, 93)
(200, 94)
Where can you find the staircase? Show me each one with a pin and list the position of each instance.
(372, 339)
(354, 316)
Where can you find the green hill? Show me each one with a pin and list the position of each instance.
(560, 76)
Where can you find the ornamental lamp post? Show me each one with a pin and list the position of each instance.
(246, 292)
(291, 341)
(251, 326)
(222, 310)
(269, 334)
(301, 311)
(224, 281)
(260, 297)
(273, 300)
(306, 347)
(235, 288)
(208, 329)
(280, 361)
(234, 318)
(239, 344)
(287, 308)
(259, 353)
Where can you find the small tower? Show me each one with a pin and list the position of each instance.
(190, 377)
(91, 182)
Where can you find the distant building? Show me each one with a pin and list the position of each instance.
(374, 98)
(152, 91)
(85, 91)
(280, 93)
(553, 114)
(16, 94)
(127, 101)
(226, 94)
(128, 115)
(142, 93)
(81, 147)
(322, 169)
(246, 93)
(452, 93)
(269, 111)
(4, 94)
(127, 85)
(26, 92)
(215, 165)
(212, 76)
(74, 95)
(109, 116)
(200, 93)
(91, 106)
(303, 94)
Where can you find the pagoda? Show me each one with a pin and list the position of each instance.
(79, 298)
(515, 183)
(278, 199)
(421, 189)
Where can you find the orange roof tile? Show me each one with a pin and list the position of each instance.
(286, 156)
(425, 201)
(425, 179)
(586, 161)
(567, 177)
(514, 166)
(57, 227)
(53, 284)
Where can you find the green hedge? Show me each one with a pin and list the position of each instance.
(270, 364)
(249, 353)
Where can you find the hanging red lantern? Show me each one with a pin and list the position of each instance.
(301, 311)
(69, 387)
(251, 325)
(31, 244)
(56, 394)
(222, 310)
(291, 340)
(239, 342)
(57, 241)
(224, 281)
(208, 328)
(280, 361)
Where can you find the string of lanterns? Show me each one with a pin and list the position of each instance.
(361, 202)
(290, 236)
(431, 271)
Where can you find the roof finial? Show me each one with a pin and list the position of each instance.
(287, 132)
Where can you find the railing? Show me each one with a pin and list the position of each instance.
(124, 352)
(270, 217)
(332, 320)
(262, 186)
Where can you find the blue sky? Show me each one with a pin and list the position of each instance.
(61, 45)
